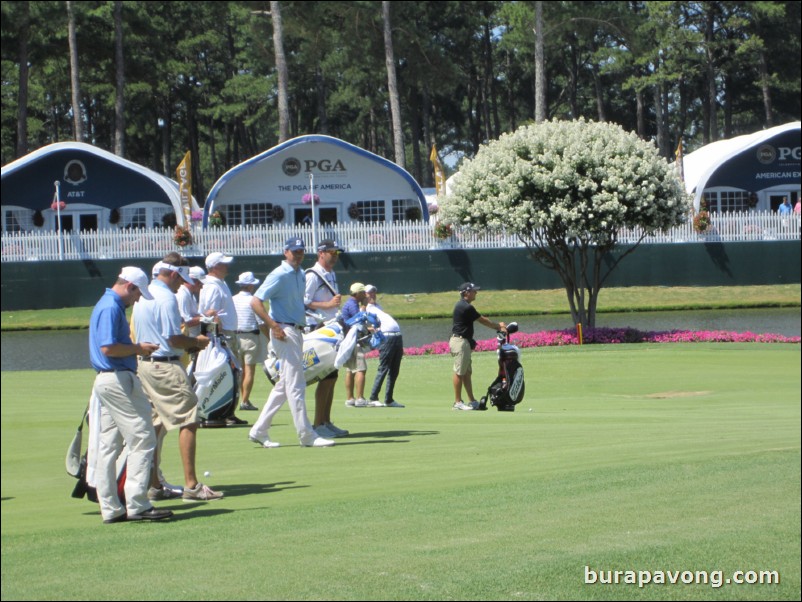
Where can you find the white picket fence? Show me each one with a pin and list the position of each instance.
(354, 237)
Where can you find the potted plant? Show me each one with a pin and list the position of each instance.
(701, 221)
(353, 211)
(216, 219)
(443, 230)
(182, 236)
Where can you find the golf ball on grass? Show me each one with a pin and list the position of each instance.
(207, 474)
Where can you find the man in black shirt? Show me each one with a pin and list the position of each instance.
(462, 343)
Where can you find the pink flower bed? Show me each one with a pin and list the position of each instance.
(551, 338)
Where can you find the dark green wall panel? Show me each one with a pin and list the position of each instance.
(48, 285)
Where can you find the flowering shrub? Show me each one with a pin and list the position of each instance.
(607, 336)
(58, 205)
(307, 198)
(182, 236)
(216, 219)
(565, 189)
(278, 213)
(196, 216)
(353, 211)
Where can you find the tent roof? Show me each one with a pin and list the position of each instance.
(263, 171)
(108, 180)
(700, 165)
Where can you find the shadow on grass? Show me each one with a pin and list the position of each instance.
(381, 437)
(256, 488)
(390, 434)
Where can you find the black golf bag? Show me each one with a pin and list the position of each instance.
(507, 389)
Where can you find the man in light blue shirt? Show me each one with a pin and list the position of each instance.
(284, 288)
(164, 378)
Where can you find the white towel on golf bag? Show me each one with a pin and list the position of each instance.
(347, 347)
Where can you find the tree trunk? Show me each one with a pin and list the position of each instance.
(488, 89)
(392, 86)
(711, 77)
(74, 79)
(119, 101)
(640, 114)
(428, 136)
(22, 98)
(764, 86)
(597, 86)
(540, 66)
(283, 77)
(662, 146)
(320, 87)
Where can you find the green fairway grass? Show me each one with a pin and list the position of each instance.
(671, 457)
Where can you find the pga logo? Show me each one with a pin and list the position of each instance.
(292, 166)
(766, 153)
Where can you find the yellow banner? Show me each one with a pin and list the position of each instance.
(183, 175)
(678, 159)
(439, 174)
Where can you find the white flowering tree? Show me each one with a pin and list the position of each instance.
(565, 188)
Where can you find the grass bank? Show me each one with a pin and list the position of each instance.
(502, 303)
(671, 457)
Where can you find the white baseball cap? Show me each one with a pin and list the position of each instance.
(197, 273)
(138, 278)
(214, 258)
(369, 288)
(247, 278)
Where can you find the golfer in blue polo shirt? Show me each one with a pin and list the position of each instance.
(284, 288)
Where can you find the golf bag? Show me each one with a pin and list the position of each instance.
(77, 464)
(326, 349)
(214, 375)
(507, 389)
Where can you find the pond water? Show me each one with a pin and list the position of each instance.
(66, 350)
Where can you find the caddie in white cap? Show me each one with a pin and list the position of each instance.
(197, 273)
(213, 259)
(216, 300)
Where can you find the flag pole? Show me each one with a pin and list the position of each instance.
(57, 184)
(314, 215)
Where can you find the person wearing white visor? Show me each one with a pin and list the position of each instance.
(165, 379)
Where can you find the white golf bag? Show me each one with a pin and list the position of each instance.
(327, 349)
(215, 377)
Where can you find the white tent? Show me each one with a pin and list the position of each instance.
(753, 162)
